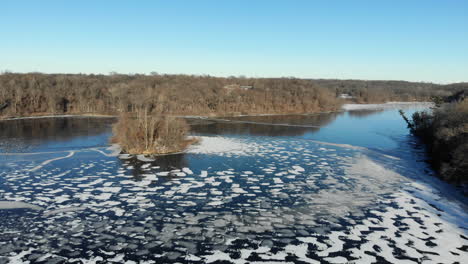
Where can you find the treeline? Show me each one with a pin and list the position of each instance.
(385, 91)
(36, 93)
(28, 94)
(445, 131)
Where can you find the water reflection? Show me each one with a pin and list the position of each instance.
(162, 163)
(47, 134)
(271, 125)
(364, 113)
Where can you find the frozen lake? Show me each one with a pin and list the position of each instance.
(324, 188)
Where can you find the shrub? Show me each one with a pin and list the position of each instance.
(445, 131)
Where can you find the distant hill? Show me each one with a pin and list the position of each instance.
(367, 91)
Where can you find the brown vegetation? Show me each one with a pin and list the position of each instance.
(167, 94)
(146, 134)
(445, 131)
(385, 91)
(36, 93)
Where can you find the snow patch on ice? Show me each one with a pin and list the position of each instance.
(222, 145)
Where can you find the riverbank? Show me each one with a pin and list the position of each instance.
(343, 107)
(445, 132)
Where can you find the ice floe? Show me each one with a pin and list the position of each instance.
(18, 205)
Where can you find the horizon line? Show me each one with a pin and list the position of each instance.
(240, 76)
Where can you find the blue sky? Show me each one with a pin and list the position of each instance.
(396, 40)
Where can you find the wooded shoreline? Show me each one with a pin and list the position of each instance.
(444, 131)
(36, 93)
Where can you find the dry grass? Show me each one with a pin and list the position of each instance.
(142, 133)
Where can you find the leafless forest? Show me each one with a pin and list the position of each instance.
(35, 94)
(142, 133)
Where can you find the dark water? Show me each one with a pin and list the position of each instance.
(54, 134)
(334, 187)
